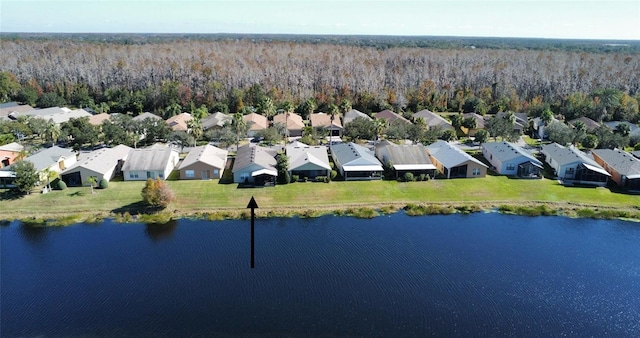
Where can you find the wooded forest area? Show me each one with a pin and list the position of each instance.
(233, 74)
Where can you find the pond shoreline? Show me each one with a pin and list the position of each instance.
(142, 215)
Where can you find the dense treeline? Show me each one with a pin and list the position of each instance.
(228, 75)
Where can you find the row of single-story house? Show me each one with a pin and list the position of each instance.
(256, 165)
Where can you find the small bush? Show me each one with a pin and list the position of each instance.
(334, 174)
(320, 178)
(408, 177)
(104, 184)
(61, 185)
(295, 178)
(422, 177)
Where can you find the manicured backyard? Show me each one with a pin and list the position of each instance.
(208, 196)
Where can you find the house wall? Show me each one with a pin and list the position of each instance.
(437, 164)
(473, 165)
(615, 176)
(85, 174)
(198, 167)
(238, 176)
(11, 157)
(309, 170)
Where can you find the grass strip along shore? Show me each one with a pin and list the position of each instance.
(211, 200)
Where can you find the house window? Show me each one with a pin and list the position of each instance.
(511, 166)
(216, 172)
(476, 172)
(161, 175)
(133, 174)
(570, 170)
(189, 173)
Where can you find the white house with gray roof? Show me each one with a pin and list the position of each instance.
(308, 161)
(54, 159)
(101, 164)
(511, 160)
(405, 158)
(255, 165)
(356, 162)
(572, 166)
(452, 162)
(154, 162)
(433, 120)
(203, 163)
(623, 167)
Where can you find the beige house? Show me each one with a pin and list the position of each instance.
(203, 163)
(255, 122)
(322, 120)
(293, 122)
(53, 159)
(452, 162)
(154, 162)
(179, 122)
(101, 164)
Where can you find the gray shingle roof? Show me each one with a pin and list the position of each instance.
(148, 159)
(207, 154)
(623, 162)
(505, 151)
(403, 155)
(49, 156)
(13, 147)
(432, 120)
(449, 155)
(102, 160)
(147, 115)
(301, 154)
(353, 154)
(252, 154)
(215, 120)
(353, 114)
(564, 156)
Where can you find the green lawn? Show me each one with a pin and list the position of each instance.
(200, 196)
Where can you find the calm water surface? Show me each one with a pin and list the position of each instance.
(456, 275)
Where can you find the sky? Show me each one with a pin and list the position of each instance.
(567, 19)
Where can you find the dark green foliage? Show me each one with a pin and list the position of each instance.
(408, 177)
(61, 185)
(360, 129)
(103, 184)
(295, 178)
(50, 99)
(26, 176)
(282, 166)
(481, 136)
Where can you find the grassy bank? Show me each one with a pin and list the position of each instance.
(364, 199)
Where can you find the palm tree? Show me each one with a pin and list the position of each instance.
(623, 129)
(240, 124)
(380, 125)
(92, 180)
(195, 126)
(345, 106)
(51, 175)
(52, 132)
(267, 108)
(333, 112)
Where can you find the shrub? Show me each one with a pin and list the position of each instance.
(104, 184)
(408, 177)
(422, 177)
(295, 178)
(334, 174)
(61, 185)
(157, 193)
(320, 178)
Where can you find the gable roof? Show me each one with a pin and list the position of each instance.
(207, 154)
(479, 119)
(12, 147)
(102, 160)
(179, 122)
(154, 158)
(563, 155)
(390, 116)
(324, 120)
(623, 162)
(256, 121)
(146, 115)
(49, 156)
(293, 122)
(433, 120)
(217, 119)
(302, 154)
(633, 129)
(97, 119)
(405, 157)
(351, 154)
(5, 111)
(521, 119)
(250, 154)
(64, 116)
(449, 155)
(353, 114)
(506, 151)
(589, 123)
